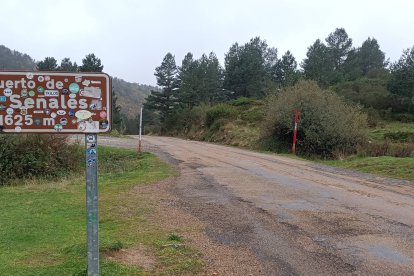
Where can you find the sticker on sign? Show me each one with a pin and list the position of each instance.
(51, 93)
(39, 102)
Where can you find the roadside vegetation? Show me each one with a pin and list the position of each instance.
(354, 104)
(49, 217)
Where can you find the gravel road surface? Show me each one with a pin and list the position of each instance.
(293, 217)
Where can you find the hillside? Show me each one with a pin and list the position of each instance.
(14, 60)
(130, 95)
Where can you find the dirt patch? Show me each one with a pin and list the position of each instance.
(138, 256)
(219, 259)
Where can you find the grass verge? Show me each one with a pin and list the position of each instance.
(394, 167)
(43, 225)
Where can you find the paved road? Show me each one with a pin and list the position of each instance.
(296, 217)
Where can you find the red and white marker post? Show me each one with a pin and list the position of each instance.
(294, 132)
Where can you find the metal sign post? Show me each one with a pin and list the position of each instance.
(92, 215)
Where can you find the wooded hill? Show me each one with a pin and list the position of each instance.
(129, 95)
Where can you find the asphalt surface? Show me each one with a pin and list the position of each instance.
(295, 217)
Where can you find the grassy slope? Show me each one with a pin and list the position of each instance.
(43, 225)
(395, 167)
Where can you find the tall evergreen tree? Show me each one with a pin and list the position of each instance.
(370, 56)
(401, 84)
(318, 64)
(91, 64)
(48, 64)
(247, 68)
(285, 71)
(214, 80)
(67, 65)
(166, 100)
(188, 82)
(339, 44)
(117, 119)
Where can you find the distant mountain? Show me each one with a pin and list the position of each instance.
(13, 60)
(130, 95)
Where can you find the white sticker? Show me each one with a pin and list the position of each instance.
(90, 138)
(29, 76)
(61, 112)
(92, 92)
(40, 78)
(18, 129)
(51, 93)
(92, 126)
(83, 114)
(9, 110)
(53, 115)
(86, 82)
(81, 126)
(78, 78)
(72, 96)
(7, 92)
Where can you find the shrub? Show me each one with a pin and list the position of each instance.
(400, 136)
(220, 111)
(402, 117)
(386, 148)
(243, 101)
(183, 119)
(253, 115)
(327, 124)
(26, 156)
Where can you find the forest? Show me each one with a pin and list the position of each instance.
(360, 78)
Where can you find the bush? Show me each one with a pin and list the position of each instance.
(386, 148)
(243, 101)
(326, 124)
(400, 136)
(26, 156)
(402, 117)
(367, 92)
(182, 120)
(220, 111)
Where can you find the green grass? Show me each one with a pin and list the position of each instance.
(394, 167)
(43, 225)
(377, 133)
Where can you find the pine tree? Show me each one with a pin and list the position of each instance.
(67, 66)
(164, 101)
(91, 64)
(247, 67)
(285, 71)
(401, 84)
(318, 64)
(48, 64)
(188, 82)
(117, 120)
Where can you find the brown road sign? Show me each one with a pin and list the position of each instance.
(55, 102)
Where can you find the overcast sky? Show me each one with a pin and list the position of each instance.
(132, 37)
